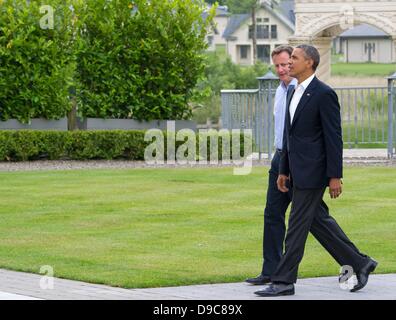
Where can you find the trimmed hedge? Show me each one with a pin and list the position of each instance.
(118, 59)
(140, 59)
(24, 145)
(37, 65)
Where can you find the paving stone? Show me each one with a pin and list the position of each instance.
(19, 285)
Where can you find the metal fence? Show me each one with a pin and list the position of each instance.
(392, 115)
(368, 116)
(249, 109)
(364, 114)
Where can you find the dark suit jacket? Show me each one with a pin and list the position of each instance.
(312, 144)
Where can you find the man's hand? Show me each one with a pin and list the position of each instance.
(335, 188)
(281, 182)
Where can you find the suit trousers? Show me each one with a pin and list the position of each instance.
(274, 220)
(309, 213)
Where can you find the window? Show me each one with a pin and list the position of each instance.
(244, 52)
(261, 33)
(262, 20)
(274, 31)
(263, 53)
(369, 47)
(369, 50)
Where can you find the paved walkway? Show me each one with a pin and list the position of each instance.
(18, 285)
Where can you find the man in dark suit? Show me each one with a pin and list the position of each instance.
(312, 160)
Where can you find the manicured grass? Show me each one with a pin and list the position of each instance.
(362, 69)
(168, 227)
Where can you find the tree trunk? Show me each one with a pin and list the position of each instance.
(254, 34)
(72, 116)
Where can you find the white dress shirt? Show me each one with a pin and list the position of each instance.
(299, 92)
(280, 111)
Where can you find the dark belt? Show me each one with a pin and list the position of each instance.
(279, 150)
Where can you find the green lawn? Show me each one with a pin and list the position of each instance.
(166, 227)
(362, 69)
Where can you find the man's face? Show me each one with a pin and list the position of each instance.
(281, 62)
(299, 64)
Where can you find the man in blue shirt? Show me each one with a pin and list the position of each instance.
(277, 201)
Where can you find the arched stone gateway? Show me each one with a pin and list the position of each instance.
(318, 21)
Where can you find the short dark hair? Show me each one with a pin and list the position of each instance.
(280, 49)
(311, 52)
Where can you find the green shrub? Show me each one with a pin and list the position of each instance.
(134, 145)
(36, 65)
(5, 146)
(97, 144)
(124, 59)
(23, 145)
(54, 144)
(140, 59)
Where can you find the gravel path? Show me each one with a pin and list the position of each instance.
(122, 164)
(352, 157)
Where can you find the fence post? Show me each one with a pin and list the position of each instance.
(267, 83)
(391, 93)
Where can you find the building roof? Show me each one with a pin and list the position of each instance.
(287, 8)
(234, 23)
(364, 31)
(280, 14)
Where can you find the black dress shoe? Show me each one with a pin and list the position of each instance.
(276, 290)
(260, 279)
(363, 274)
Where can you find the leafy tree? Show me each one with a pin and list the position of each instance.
(125, 59)
(140, 60)
(36, 64)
